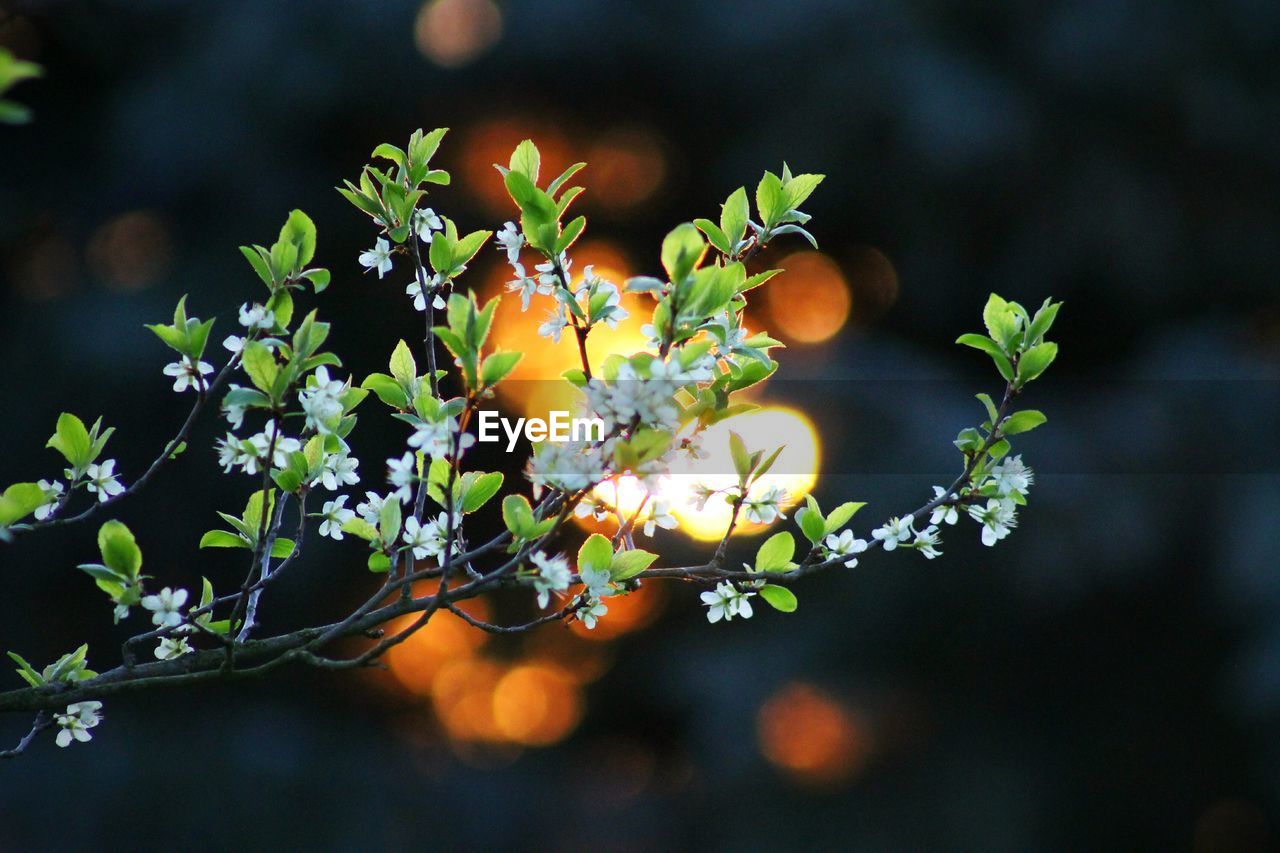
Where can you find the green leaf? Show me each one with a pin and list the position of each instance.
(779, 597)
(571, 233)
(517, 514)
(484, 487)
(776, 553)
(388, 390)
(526, 160)
(26, 670)
(1042, 321)
(498, 366)
(120, 552)
(811, 522)
(19, 501)
(389, 520)
(300, 231)
(595, 553)
(379, 562)
(715, 236)
(223, 539)
(282, 547)
(1035, 361)
(840, 516)
(361, 528)
(260, 365)
(682, 251)
(403, 367)
(628, 564)
(1000, 320)
(72, 440)
(1023, 421)
(771, 200)
(733, 216)
(741, 459)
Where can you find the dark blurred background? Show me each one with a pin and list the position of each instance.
(1106, 679)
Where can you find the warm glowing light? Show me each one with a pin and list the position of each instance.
(415, 662)
(811, 736)
(810, 302)
(462, 693)
(491, 142)
(536, 384)
(130, 251)
(452, 33)
(766, 428)
(627, 613)
(627, 167)
(536, 705)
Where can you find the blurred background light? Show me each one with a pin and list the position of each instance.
(130, 251)
(809, 302)
(811, 736)
(453, 33)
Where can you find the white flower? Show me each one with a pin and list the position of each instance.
(701, 494)
(596, 581)
(553, 575)
(339, 471)
(255, 317)
(233, 343)
(424, 222)
(189, 375)
(52, 497)
(370, 509)
(435, 438)
(166, 607)
(173, 647)
(946, 513)
(419, 538)
(76, 722)
(527, 286)
(418, 290)
(333, 515)
(401, 474)
(590, 612)
(379, 257)
(895, 531)
(272, 441)
(235, 414)
(997, 518)
(102, 480)
(554, 325)
(764, 509)
(927, 542)
(659, 516)
(510, 239)
(1012, 476)
(231, 453)
(726, 602)
(845, 545)
(322, 401)
(121, 611)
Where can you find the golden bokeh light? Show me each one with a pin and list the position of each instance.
(415, 662)
(492, 141)
(811, 736)
(462, 694)
(536, 705)
(535, 386)
(627, 613)
(627, 167)
(796, 469)
(453, 33)
(810, 302)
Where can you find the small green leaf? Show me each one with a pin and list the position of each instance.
(482, 488)
(628, 564)
(223, 539)
(120, 552)
(840, 516)
(776, 553)
(1023, 421)
(779, 597)
(595, 553)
